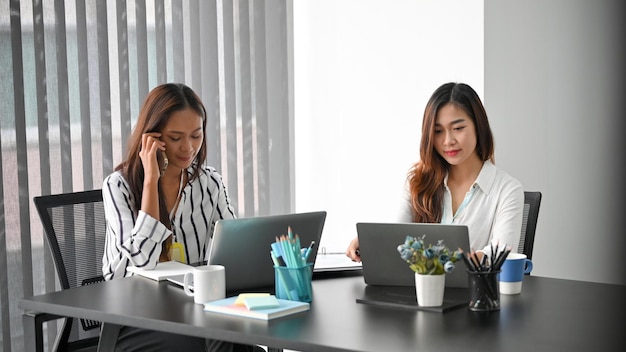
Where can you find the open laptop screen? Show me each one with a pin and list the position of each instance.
(243, 246)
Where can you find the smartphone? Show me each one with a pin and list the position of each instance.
(162, 160)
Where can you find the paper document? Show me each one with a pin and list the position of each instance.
(163, 270)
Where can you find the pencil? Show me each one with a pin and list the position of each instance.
(501, 258)
(470, 266)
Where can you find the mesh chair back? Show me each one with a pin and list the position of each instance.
(74, 225)
(532, 200)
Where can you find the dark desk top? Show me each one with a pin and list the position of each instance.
(549, 315)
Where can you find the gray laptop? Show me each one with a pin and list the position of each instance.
(382, 265)
(243, 246)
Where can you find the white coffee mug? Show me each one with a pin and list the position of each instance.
(209, 283)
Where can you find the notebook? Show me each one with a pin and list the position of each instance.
(382, 265)
(334, 262)
(283, 308)
(163, 270)
(243, 246)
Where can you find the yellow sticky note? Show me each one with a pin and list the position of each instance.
(240, 301)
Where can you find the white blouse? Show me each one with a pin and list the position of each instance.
(492, 209)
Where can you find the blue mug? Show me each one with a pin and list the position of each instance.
(512, 273)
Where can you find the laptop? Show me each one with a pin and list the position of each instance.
(382, 265)
(243, 246)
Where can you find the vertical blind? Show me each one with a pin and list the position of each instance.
(73, 75)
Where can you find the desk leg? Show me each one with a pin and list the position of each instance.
(33, 330)
(108, 337)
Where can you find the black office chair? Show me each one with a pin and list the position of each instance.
(75, 228)
(532, 200)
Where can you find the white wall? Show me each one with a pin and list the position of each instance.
(554, 90)
(364, 70)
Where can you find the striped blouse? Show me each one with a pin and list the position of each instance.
(135, 238)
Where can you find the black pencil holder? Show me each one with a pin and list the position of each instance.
(484, 291)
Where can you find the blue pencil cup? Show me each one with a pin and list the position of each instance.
(294, 284)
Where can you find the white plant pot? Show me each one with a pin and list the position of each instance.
(429, 289)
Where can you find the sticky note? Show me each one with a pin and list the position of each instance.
(242, 296)
(261, 302)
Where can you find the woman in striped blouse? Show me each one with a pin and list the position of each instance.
(162, 202)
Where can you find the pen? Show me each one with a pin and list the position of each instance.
(308, 251)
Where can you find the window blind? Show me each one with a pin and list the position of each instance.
(74, 74)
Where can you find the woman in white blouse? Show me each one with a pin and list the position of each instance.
(162, 202)
(455, 181)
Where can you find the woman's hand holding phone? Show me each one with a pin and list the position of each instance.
(162, 161)
(151, 147)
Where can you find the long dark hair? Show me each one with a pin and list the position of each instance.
(426, 176)
(160, 104)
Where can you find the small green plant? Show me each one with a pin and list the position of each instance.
(431, 260)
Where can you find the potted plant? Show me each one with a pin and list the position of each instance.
(430, 264)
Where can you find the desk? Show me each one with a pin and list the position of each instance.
(549, 315)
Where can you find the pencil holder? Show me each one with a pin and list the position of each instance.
(294, 284)
(484, 291)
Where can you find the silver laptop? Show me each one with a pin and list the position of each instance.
(382, 265)
(243, 246)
